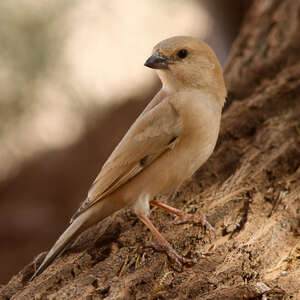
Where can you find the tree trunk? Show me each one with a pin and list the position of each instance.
(249, 190)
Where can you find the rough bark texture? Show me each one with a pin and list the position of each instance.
(249, 189)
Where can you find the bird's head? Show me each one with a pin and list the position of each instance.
(186, 62)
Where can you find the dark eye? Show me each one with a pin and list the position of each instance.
(182, 53)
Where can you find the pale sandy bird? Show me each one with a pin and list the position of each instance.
(174, 135)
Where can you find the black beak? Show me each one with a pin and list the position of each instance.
(156, 62)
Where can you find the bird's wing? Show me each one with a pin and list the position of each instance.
(156, 131)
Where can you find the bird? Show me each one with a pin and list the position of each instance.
(169, 141)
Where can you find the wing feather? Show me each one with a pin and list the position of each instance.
(154, 132)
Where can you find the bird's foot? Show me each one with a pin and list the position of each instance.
(185, 217)
(171, 252)
(198, 218)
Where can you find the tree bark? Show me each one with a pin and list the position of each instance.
(249, 189)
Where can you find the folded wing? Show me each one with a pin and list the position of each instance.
(153, 133)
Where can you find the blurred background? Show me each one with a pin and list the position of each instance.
(72, 81)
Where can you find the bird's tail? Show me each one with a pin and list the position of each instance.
(85, 219)
(70, 234)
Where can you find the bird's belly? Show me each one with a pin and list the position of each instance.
(188, 158)
(180, 165)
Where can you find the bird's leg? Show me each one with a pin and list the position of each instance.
(164, 244)
(185, 217)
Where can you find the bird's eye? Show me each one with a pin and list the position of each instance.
(182, 53)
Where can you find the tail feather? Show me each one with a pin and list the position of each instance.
(70, 234)
(82, 221)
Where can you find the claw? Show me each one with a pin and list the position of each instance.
(195, 219)
(184, 217)
(180, 260)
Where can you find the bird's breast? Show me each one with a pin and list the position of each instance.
(201, 124)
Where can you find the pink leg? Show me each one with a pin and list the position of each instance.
(184, 217)
(164, 244)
